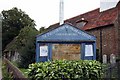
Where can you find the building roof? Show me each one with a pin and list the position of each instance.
(94, 19)
(66, 33)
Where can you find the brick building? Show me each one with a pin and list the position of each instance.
(104, 25)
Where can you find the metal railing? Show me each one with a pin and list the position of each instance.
(112, 71)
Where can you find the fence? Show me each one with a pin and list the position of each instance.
(112, 71)
(17, 74)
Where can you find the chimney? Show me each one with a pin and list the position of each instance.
(61, 12)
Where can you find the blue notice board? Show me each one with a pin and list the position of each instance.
(66, 34)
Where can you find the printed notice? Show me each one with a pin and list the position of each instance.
(43, 50)
(88, 50)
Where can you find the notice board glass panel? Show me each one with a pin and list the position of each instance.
(89, 50)
(66, 51)
(43, 50)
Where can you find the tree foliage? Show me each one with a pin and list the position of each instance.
(13, 21)
(42, 29)
(19, 35)
(25, 45)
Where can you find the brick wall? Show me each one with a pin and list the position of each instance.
(119, 34)
(118, 24)
(117, 29)
(108, 38)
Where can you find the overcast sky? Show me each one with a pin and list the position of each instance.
(46, 12)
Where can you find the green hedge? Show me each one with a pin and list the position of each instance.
(63, 69)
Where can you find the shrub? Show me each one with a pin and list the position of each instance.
(63, 69)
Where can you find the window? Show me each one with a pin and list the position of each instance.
(81, 23)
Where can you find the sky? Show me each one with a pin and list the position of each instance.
(46, 12)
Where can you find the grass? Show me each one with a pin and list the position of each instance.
(14, 63)
(24, 71)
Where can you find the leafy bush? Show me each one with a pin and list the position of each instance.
(63, 69)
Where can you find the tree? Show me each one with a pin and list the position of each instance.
(42, 29)
(13, 21)
(25, 45)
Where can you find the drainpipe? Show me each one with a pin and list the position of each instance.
(100, 45)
